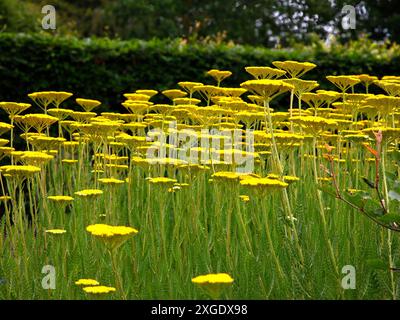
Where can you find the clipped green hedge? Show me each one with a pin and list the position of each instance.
(104, 69)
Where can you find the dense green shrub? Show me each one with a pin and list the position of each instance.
(104, 69)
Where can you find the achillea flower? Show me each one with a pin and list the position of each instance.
(87, 104)
(45, 98)
(314, 125)
(294, 68)
(357, 137)
(391, 88)
(35, 158)
(112, 236)
(38, 121)
(219, 75)
(14, 108)
(214, 283)
(60, 114)
(99, 290)
(384, 104)
(61, 199)
(226, 176)
(353, 191)
(244, 198)
(267, 89)
(147, 92)
(69, 161)
(388, 133)
(186, 101)
(263, 185)
(265, 72)
(301, 86)
(43, 142)
(56, 231)
(87, 282)
(137, 97)
(4, 127)
(343, 82)
(81, 116)
(162, 181)
(3, 142)
(111, 181)
(89, 193)
(188, 86)
(174, 93)
(19, 171)
(5, 151)
(290, 179)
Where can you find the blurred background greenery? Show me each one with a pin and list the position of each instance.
(256, 22)
(103, 48)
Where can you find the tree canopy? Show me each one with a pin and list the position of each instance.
(256, 22)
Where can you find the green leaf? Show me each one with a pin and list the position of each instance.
(368, 182)
(373, 207)
(379, 212)
(390, 218)
(358, 199)
(391, 177)
(377, 264)
(328, 189)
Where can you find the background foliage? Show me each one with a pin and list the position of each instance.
(105, 69)
(256, 22)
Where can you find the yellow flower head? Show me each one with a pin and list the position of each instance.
(35, 158)
(113, 236)
(226, 176)
(45, 98)
(147, 92)
(343, 82)
(4, 127)
(87, 282)
(60, 114)
(262, 185)
(314, 125)
(186, 101)
(111, 181)
(219, 75)
(137, 97)
(265, 72)
(38, 121)
(61, 199)
(3, 142)
(19, 171)
(88, 104)
(14, 108)
(89, 193)
(56, 231)
(162, 181)
(82, 116)
(244, 198)
(214, 283)
(188, 85)
(267, 89)
(174, 93)
(294, 68)
(99, 290)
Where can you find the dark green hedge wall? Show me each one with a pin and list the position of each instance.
(104, 69)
